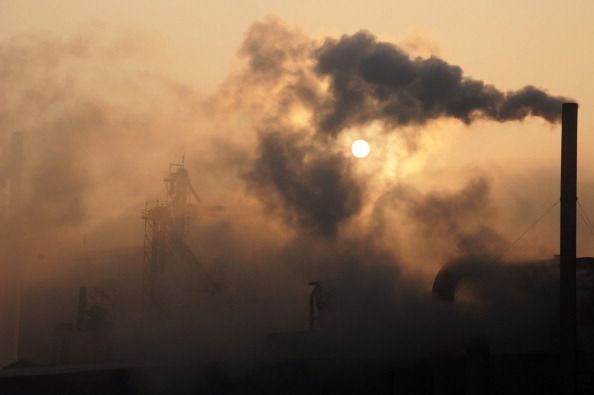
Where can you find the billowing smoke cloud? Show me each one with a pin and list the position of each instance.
(321, 89)
(462, 217)
(71, 100)
(373, 80)
(441, 225)
(317, 187)
(99, 136)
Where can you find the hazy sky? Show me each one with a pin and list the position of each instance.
(506, 43)
(546, 43)
(107, 93)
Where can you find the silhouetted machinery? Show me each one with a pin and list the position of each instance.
(165, 227)
(331, 303)
(95, 307)
(325, 304)
(470, 280)
(89, 339)
(316, 305)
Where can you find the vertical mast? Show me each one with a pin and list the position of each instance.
(11, 305)
(568, 248)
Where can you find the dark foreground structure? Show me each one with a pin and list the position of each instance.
(297, 364)
(475, 373)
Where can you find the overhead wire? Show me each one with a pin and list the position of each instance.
(585, 217)
(528, 229)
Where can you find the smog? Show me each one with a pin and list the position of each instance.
(147, 224)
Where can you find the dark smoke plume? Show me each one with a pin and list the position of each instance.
(373, 80)
(462, 217)
(340, 84)
(96, 144)
(442, 225)
(316, 188)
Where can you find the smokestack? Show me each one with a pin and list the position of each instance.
(568, 248)
(82, 307)
(15, 174)
(10, 303)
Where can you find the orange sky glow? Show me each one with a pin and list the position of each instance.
(191, 47)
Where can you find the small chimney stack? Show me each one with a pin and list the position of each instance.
(568, 350)
(15, 174)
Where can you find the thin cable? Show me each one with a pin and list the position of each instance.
(586, 222)
(583, 210)
(585, 214)
(513, 244)
(585, 217)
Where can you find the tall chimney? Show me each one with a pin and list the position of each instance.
(15, 174)
(568, 247)
(10, 292)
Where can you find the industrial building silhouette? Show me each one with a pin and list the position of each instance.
(83, 357)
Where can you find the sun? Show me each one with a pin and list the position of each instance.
(360, 148)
